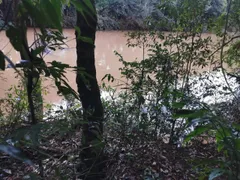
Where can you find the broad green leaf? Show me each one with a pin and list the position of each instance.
(191, 114)
(82, 8)
(37, 51)
(51, 13)
(86, 39)
(216, 173)
(197, 131)
(45, 13)
(179, 104)
(90, 5)
(222, 133)
(35, 13)
(66, 2)
(2, 61)
(236, 126)
(237, 144)
(15, 152)
(223, 138)
(78, 5)
(58, 7)
(220, 140)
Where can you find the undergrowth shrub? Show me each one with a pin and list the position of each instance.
(14, 108)
(164, 94)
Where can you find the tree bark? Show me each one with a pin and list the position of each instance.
(89, 92)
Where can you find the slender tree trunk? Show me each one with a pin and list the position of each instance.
(32, 83)
(89, 92)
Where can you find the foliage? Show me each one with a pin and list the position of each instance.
(14, 109)
(45, 14)
(160, 80)
(156, 101)
(45, 140)
(157, 98)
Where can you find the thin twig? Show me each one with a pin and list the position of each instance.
(222, 47)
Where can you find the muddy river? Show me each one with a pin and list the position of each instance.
(106, 61)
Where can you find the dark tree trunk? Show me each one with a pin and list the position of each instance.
(89, 92)
(15, 10)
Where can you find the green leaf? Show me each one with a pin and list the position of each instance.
(178, 104)
(35, 13)
(86, 39)
(51, 12)
(237, 144)
(15, 152)
(2, 61)
(109, 77)
(58, 7)
(191, 114)
(197, 131)
(78, 5)
(216, 173)
(236, 126)
(222, 136)
(90, 5)
(38, 50)
(45, 12)
(83, 8)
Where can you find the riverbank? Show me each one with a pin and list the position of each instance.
(124, 14)
(133, 153)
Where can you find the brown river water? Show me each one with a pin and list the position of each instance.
(106, 61)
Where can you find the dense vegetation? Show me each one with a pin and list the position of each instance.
(123, 14)
(164, 121)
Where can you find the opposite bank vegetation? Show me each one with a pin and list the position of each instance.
(122, 14)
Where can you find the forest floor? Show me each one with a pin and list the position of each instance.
(134, 159)
(132, 156)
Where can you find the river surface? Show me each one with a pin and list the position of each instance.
(106, 61)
